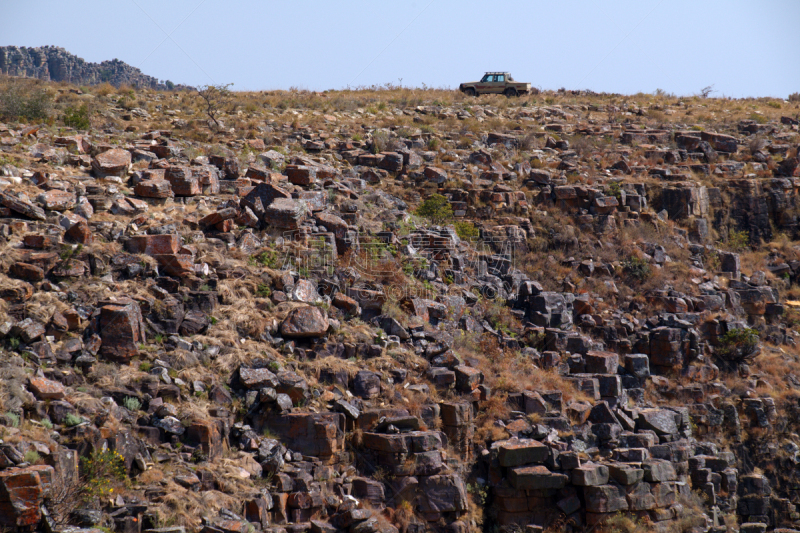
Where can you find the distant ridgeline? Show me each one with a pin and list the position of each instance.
(56, 64)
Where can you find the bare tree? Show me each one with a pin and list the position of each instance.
(63, 497)
(705, 91)
(213, 97)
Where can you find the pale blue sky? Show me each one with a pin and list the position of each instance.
(743, 48)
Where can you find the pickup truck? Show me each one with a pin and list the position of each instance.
(495, 83)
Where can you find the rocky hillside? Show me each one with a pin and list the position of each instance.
(51, 63)
(400, 311)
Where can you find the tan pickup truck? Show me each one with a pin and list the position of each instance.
(495, 83)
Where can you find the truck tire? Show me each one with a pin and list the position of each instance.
(469, 91)
(510, 92)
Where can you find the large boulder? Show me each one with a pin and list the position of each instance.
(114, 162)
(154, 244)
(121, 328)
(522, 452)
(22, 491)
(662, 421)
(307, 321)
(22, 207)
(45, 389)
(443, 493)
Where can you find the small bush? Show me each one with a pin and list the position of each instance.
(32, 457)
(263, 290)
(616, 191)
(738, 343)
(437, 209)
(20, 101)
(131, 403)
(467, 230)
(380, 141)
(77, 118)
(72, 420)
(100, 472)
(638, 269)
(269, 258)
(14, 419)
(738, 240)
(794, 98)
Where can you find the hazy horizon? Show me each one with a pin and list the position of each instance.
(741, 48)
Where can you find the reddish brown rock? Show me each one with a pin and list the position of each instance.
(121, 328)
(207, 435)
(22, 491)
(301, 174)
(179, 265)
(17, 294)
(57, 200)
(218, 216)
(436, 175)
(76, 144)
(346, 304)
(308, 321)
(80, 233)
(46, 389)
(182, 181)
(40, 242)
(114, 162)
(154, 189)
(154, 244)
(257, 144)
(26, 271)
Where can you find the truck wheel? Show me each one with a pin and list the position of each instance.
(510, 92)
(469, 91)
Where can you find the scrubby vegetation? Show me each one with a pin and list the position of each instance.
(294, 305)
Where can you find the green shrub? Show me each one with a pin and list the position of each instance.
(20, 101)
(616, 191)
(72, 420)
(437, 209)
(263, 290)
(638, 269)
(14, 419)
(32, 457)
(77, 118)
(131, 403)
(738, 240)
(100, 471)
(467, 230)
(738, 343)
(268, 258)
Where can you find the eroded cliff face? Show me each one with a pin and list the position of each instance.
(51, 63)
(335, 315)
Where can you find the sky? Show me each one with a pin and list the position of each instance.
(741, 48)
